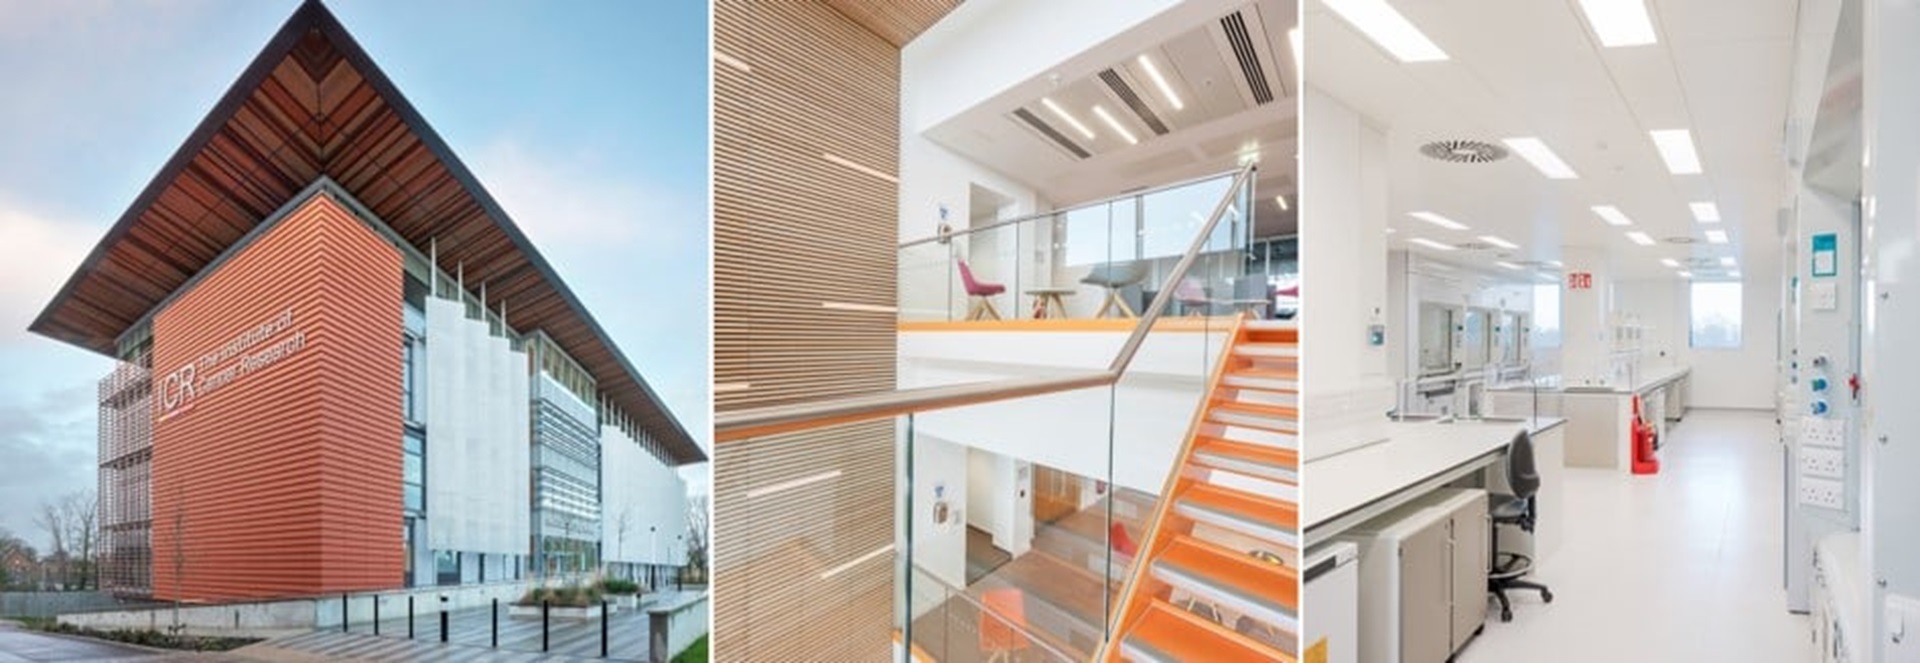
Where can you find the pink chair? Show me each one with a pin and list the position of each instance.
(1192, 297)
(980, 295)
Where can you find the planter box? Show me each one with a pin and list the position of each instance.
(624, 601)
(557, 612)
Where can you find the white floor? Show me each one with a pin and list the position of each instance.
(1680, 566)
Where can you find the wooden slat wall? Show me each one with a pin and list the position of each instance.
(794, 230)
(898, 21)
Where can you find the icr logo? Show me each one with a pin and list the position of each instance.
(176, 389)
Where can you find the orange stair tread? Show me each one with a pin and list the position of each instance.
(1270, 455)
(1261, 409)
(1244, 503)
(1234, 569)
(1188, 637)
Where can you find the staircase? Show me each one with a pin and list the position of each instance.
(1206, 585)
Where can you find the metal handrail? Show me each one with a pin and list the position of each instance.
(761, 421)
(1056, 212)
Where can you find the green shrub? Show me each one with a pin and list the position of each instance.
(619, 586)
(565, 596)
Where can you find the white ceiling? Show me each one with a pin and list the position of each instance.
(1721, 68)
(1220, 122)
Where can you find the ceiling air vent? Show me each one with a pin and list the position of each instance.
(1474, 246)
(1680, 240)
(1050, 133)
(1126, 94)
(1464, 151)
(1236, 26)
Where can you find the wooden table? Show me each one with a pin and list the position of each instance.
(1048, 302)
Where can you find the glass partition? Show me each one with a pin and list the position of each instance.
(1101, 260)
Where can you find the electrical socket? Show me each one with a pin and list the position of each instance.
(1823, 493)
(1819, 462)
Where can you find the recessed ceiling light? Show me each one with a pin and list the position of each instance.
(1717, 236)
(1160, 82)
(1705, 212)
(1281, 201)
(1556, 263)
(1670, 262)
(1542, 157)
(1391, 231)
(1685, 274)
(1612, 215)
(1676, 148)
(1437, 246)
(1640, 238)
(1496, 241)
(1383, 24)
(1728, 261)
(1733, 274)
(1115, 125)
(1438, 220)
(1619, 22)
(1508, 265)
(1069, 118)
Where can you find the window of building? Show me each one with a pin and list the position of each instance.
(414, 471)
(447, 567)
(413, 354)
(1715, 314)
(1546, 315)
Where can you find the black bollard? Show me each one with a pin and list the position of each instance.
(603, 629)
(343, 613)
(443, 620)
(376, 615)
(543, 626)
(409, 617)
(496, 624)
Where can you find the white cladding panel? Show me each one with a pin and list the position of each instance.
(641, 492)
(477, 436)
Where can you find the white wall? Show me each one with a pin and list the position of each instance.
(1145, 418)
(932, 177)
(980, 503)
(1738, 378)
(1343, 277)
(940, 467)
(648, 494)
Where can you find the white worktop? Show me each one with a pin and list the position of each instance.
(1412, 453)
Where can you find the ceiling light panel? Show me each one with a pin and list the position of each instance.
(1066, 117)
(1498, 241)
(1437, 246)
(1281, 201)
(1612, 215)
(1438, 220)
(1676, 148)
(1670, 262)
(1728, 261)
(1542, 157)
(1384, 25)
(1705, 212)
(1717, 236)
(1640, 238)
(1619, 22)
(1508, 265)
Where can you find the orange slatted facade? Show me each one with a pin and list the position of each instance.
(280, 474)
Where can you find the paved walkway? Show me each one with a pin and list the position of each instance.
(470, 634)
(18, 644)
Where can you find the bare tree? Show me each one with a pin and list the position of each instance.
(53, 520)
(621, 524)
(81, 512)
(697, 516)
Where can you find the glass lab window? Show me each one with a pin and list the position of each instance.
(1513, 332)
(1436, 339)
(1475, 341)
(1714, 309)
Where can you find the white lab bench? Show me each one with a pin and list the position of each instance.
(1418, 457)
(1599, 424)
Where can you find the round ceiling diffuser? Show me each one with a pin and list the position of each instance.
(1464, 151)
(1683, 239)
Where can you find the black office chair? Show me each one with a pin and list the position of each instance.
(1506, 570)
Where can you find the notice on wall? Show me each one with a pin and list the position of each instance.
(1826, 254)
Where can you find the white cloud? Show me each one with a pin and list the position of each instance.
(36, 257)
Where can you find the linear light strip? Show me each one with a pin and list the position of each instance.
(882, 550)
(1612, 215)
(1159, 81)
(1498, 241)
(1438, 220)
(863, 308)
(783, 486)
(1115, 125)
(857, 167)
(1676, 148)
(1068, 117)
(1542, 157)
(1437, 246)
(1640, 238)
(731, 61)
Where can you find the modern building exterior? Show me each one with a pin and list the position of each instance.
(344, 368)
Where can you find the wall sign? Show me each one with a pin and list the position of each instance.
(230, 362)
(1579, 280)
(1826, 254)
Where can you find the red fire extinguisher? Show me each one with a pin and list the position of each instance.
(1644, 461)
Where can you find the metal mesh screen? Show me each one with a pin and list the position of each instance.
(126, 454)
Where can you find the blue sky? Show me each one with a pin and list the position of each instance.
(586, 120)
